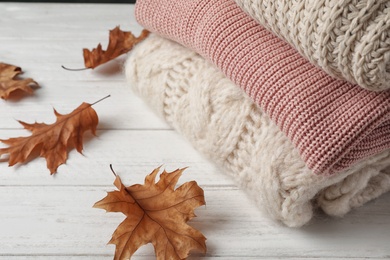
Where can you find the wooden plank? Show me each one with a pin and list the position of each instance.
(132, 153)
(123, 110)
(72, 21)
(61, 221)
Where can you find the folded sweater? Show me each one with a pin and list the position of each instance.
(349, 39)
(332, 123)
(222, 122)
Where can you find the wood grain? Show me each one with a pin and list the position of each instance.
(51, 217)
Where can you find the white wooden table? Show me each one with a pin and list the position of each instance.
(51, 217)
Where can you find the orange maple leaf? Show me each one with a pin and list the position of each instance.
(9, 84)
(119, 43)
(53, 140)
(158, 214)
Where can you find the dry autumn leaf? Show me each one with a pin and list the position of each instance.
(119, 43)
(9, 84)
(156, 213)
(52, 141)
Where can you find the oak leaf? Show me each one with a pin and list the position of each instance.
(9, 84)
(156, 213)
(119, 43)
(52, 141)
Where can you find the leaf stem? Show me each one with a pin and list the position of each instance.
(112, 170)
(100, 100)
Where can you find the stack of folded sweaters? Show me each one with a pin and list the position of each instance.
(289, 97)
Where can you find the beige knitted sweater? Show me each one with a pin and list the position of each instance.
(221, 121)
(348, 39)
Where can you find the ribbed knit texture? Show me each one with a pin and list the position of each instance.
(333, 124)
(349, 39)
(222, 122)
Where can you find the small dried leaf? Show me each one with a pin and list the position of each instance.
(9, 84)
(119, 43)
(53, 140)
(158, 214)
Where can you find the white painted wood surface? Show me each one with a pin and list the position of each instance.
(51, 217)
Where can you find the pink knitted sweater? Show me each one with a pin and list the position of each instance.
(334, 124)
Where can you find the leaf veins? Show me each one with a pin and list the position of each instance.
(53, 140)
(8, 83)
(119, 43)
(158, 214)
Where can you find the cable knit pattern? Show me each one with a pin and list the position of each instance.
(223, 123)
(349, 39)
(333, 124)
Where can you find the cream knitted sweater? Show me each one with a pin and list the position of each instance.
(222, 122)
(349, 39)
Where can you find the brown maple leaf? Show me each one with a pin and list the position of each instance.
(9, 84)
(52, 141)
(158, 214)
(119, 43)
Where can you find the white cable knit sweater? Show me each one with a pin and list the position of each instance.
(224, 124)
(348, 39)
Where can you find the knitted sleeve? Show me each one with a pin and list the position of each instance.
(333, 124)
(348, 39)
